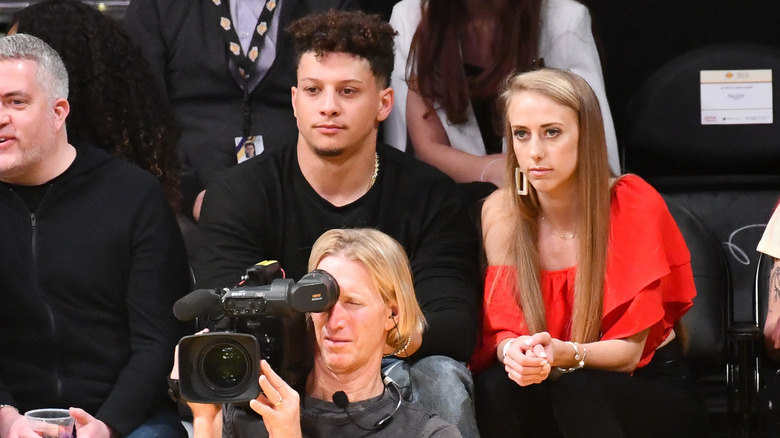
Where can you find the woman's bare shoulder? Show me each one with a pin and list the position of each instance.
(497, 227)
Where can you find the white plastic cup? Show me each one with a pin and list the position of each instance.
(51, 422)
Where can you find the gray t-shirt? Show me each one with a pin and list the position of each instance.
(323, 419)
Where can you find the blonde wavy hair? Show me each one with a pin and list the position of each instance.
(387, 265)
(592, 229)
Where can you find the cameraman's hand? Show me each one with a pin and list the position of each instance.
(206, 417)
(14, 425)
(279, 405)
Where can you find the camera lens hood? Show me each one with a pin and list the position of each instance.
(219, 368)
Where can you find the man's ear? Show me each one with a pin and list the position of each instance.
(61, 110)
(392, 320)
(293, 92)
(386, 100)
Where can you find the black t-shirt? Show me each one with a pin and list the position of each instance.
(264, 209)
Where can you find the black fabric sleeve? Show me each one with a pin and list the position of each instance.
(157, 277)
(5, 396)
(446, 274)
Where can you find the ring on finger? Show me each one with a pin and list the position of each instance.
(279, 402)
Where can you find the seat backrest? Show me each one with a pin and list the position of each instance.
(706, 322)
(727, 175)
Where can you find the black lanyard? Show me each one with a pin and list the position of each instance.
(244, 65)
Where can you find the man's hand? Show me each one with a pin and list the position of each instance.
(279, 405)
(14, 425)
(197, 205)
(88, 426)
(206, 417)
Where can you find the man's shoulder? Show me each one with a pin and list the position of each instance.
(119, 185)
(92, 162)
(426, 424)
(270, 167)
(266, 178)
(409, 168)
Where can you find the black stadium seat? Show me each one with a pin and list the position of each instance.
(728, 176)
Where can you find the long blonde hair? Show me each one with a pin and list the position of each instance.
(388, 266)
(592, 229)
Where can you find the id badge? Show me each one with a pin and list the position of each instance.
(248, 147)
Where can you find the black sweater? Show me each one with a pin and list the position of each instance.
(86, 288)
(265, 209)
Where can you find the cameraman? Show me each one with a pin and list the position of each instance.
(345, 393)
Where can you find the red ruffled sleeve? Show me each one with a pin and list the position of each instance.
(649, 282)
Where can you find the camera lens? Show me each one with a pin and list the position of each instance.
(225, 367)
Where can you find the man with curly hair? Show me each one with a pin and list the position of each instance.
(337, 176)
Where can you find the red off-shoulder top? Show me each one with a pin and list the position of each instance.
(648, 284)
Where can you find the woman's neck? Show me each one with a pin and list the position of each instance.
(559, 212)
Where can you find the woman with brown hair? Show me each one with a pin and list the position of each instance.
(453, 56)
(587, 277)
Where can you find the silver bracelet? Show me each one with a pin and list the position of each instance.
(506, 348)
(580, 359)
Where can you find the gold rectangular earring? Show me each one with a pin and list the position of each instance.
(521, 187)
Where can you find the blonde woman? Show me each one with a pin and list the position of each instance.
(588, 275)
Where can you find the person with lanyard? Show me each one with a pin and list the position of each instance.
(227, 69)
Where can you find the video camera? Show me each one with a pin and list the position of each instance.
(253, 320)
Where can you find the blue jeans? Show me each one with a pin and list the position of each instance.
(166, 424)
(437, 385)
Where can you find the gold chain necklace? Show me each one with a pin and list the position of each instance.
(562, 236)
(376, 171)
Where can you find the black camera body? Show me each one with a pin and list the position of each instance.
(255, 322)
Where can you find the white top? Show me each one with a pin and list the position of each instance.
(770, 241)
(565, 42)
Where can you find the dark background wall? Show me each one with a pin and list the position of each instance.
(637, 37)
